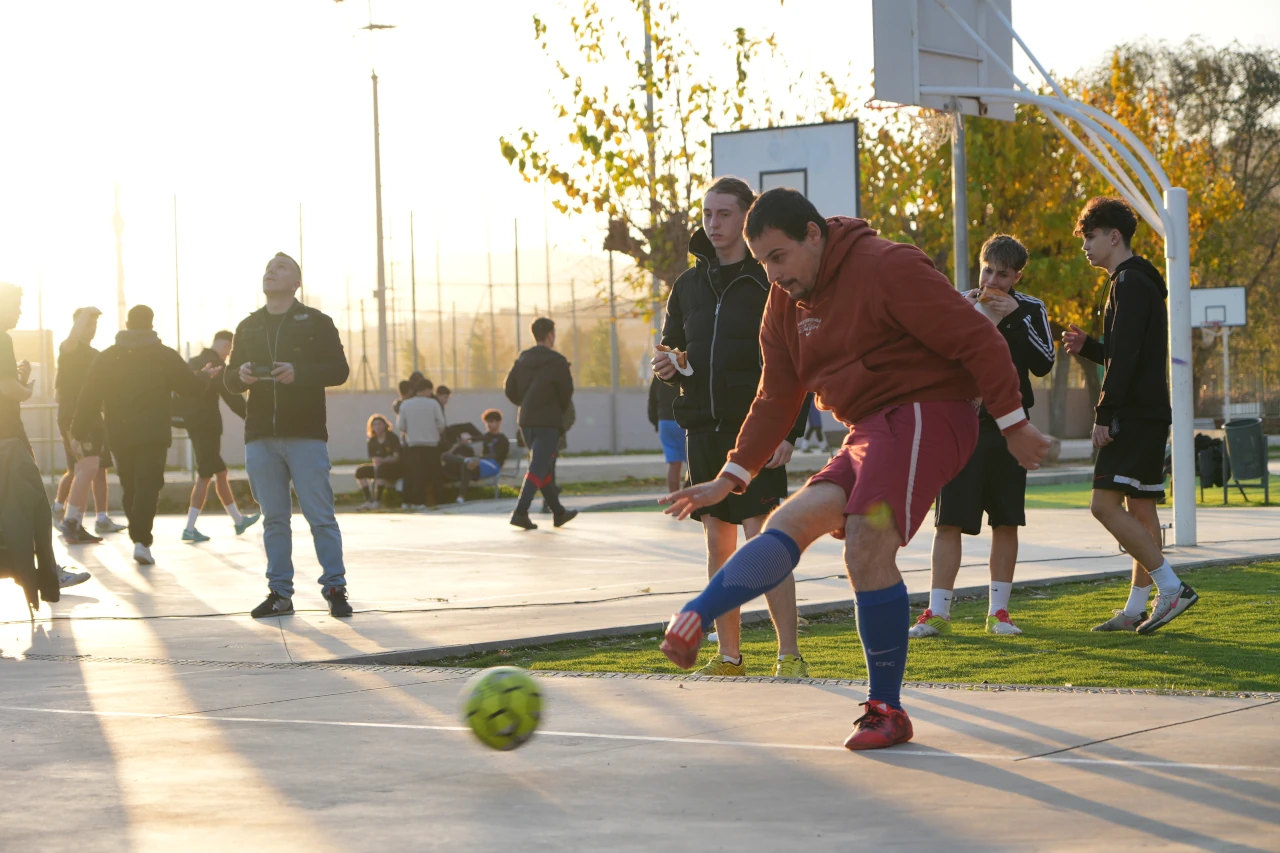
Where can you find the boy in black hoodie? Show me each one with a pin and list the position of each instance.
(1133, 412)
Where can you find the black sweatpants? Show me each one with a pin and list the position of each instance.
(544, 447)
(141, 470)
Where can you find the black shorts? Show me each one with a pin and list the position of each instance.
(103, 453)
(1133, 462)
(207, 447)
(390, 472)
(707, 454)
(992, 482)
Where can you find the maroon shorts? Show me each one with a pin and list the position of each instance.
(893, 463)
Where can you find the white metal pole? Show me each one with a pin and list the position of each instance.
(1226, 374)
(613, 364)
(960, 203)
(1178, 274)
(381, 294)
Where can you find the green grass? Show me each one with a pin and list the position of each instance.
(1227, 642)
(1076, 496)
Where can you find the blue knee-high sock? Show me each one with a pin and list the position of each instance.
(884, 617)
(756, 567)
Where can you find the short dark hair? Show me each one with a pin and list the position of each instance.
(224, 335)
(1107, 211)
(140, 317)
(405, 387)
(736, 187)
(424, 384)
(785, 209)
(491, 415)
(542, 327)
(443, 389)
(415, 376)
(1006, 251)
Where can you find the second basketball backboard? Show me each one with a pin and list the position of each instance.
(819, 160)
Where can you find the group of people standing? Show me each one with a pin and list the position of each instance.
(118, 404)
(934, 388)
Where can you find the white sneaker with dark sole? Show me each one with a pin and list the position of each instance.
(142, 555)
(1120, 621)
(1169, 607)
(66, 578)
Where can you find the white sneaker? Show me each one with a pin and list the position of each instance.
(1000, 623)
(460, 500)
(142, 555)
(108, 526)
(67, 578)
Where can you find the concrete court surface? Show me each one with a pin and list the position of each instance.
(153, 756)
(453, 581)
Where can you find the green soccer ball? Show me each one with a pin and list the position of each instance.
(502, 706)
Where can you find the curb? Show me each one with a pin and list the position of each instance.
(419, 656)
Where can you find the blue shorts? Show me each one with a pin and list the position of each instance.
(672, 438)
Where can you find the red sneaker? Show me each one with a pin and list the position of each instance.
(879, 727)
(683, 639)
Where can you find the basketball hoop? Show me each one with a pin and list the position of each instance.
(1209, 332)
(931, 127)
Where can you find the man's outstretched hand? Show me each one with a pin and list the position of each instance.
(1028, 445)
(684, 502)
(1073, 339)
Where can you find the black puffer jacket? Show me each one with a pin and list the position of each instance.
(130, 385)
(541, 384)
(308, 340)
(721, 334)
(1135, 346)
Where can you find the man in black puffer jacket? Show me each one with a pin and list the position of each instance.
(285, 354)
(541, 384)
(132, 384)
(713, 318)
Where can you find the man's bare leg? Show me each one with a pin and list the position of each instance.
(781, 600)
(1135, 524)
(722, 541)
(675, 476)
(100, 491)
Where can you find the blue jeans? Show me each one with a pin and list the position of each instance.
(272, 463)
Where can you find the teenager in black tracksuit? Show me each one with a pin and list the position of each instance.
(713, 316)
(1131, 427)
(541, 384)
(991, 482)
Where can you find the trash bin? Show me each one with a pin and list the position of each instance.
(1247, 448)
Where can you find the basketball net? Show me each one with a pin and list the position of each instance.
(931, 128)
(1210, 333)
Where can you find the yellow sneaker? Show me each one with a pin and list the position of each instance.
(719, 666)
(791, 666)
(929, 625)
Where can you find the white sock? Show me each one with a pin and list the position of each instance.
(103, 518)
(58, 508)
(735, 661)
(940, 602)
(1166, 581)
(74, 513)
(1137, 602)
(998, 596)
(192, 515)
(234, 512)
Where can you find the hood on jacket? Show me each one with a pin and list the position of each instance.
(538, 356)
(1144, 266)
(843, 235)
(134, 338)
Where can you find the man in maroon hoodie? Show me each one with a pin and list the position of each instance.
(902, 359)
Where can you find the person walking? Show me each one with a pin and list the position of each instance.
(670, 434)
(15, 389)
(285, 354)
(203, 421)
(127, 400)
(421, 427)
(541, 384)
(86, 472)
(713, 327)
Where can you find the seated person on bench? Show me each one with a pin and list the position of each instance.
(461, 463)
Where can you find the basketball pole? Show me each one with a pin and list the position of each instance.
(1178, 274)
(1226, 375)
(960, 201)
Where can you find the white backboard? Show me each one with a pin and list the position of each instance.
(1225, 306)
(918, 44)
(819, 160)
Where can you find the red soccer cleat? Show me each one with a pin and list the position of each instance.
(879, 727)
(683, 639)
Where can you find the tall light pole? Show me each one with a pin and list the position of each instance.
(413, 292)
(653, 168)
(117, 223)
(383, 363)
(177, 291)
(440, 320)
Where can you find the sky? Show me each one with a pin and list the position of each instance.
(252, 112)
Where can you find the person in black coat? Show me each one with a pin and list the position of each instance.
(671, 435)
(131, 383)
(1133, 413)
(711, 351)
(541, 384)
(203, 422)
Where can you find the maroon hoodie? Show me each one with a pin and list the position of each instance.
(881, 328)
